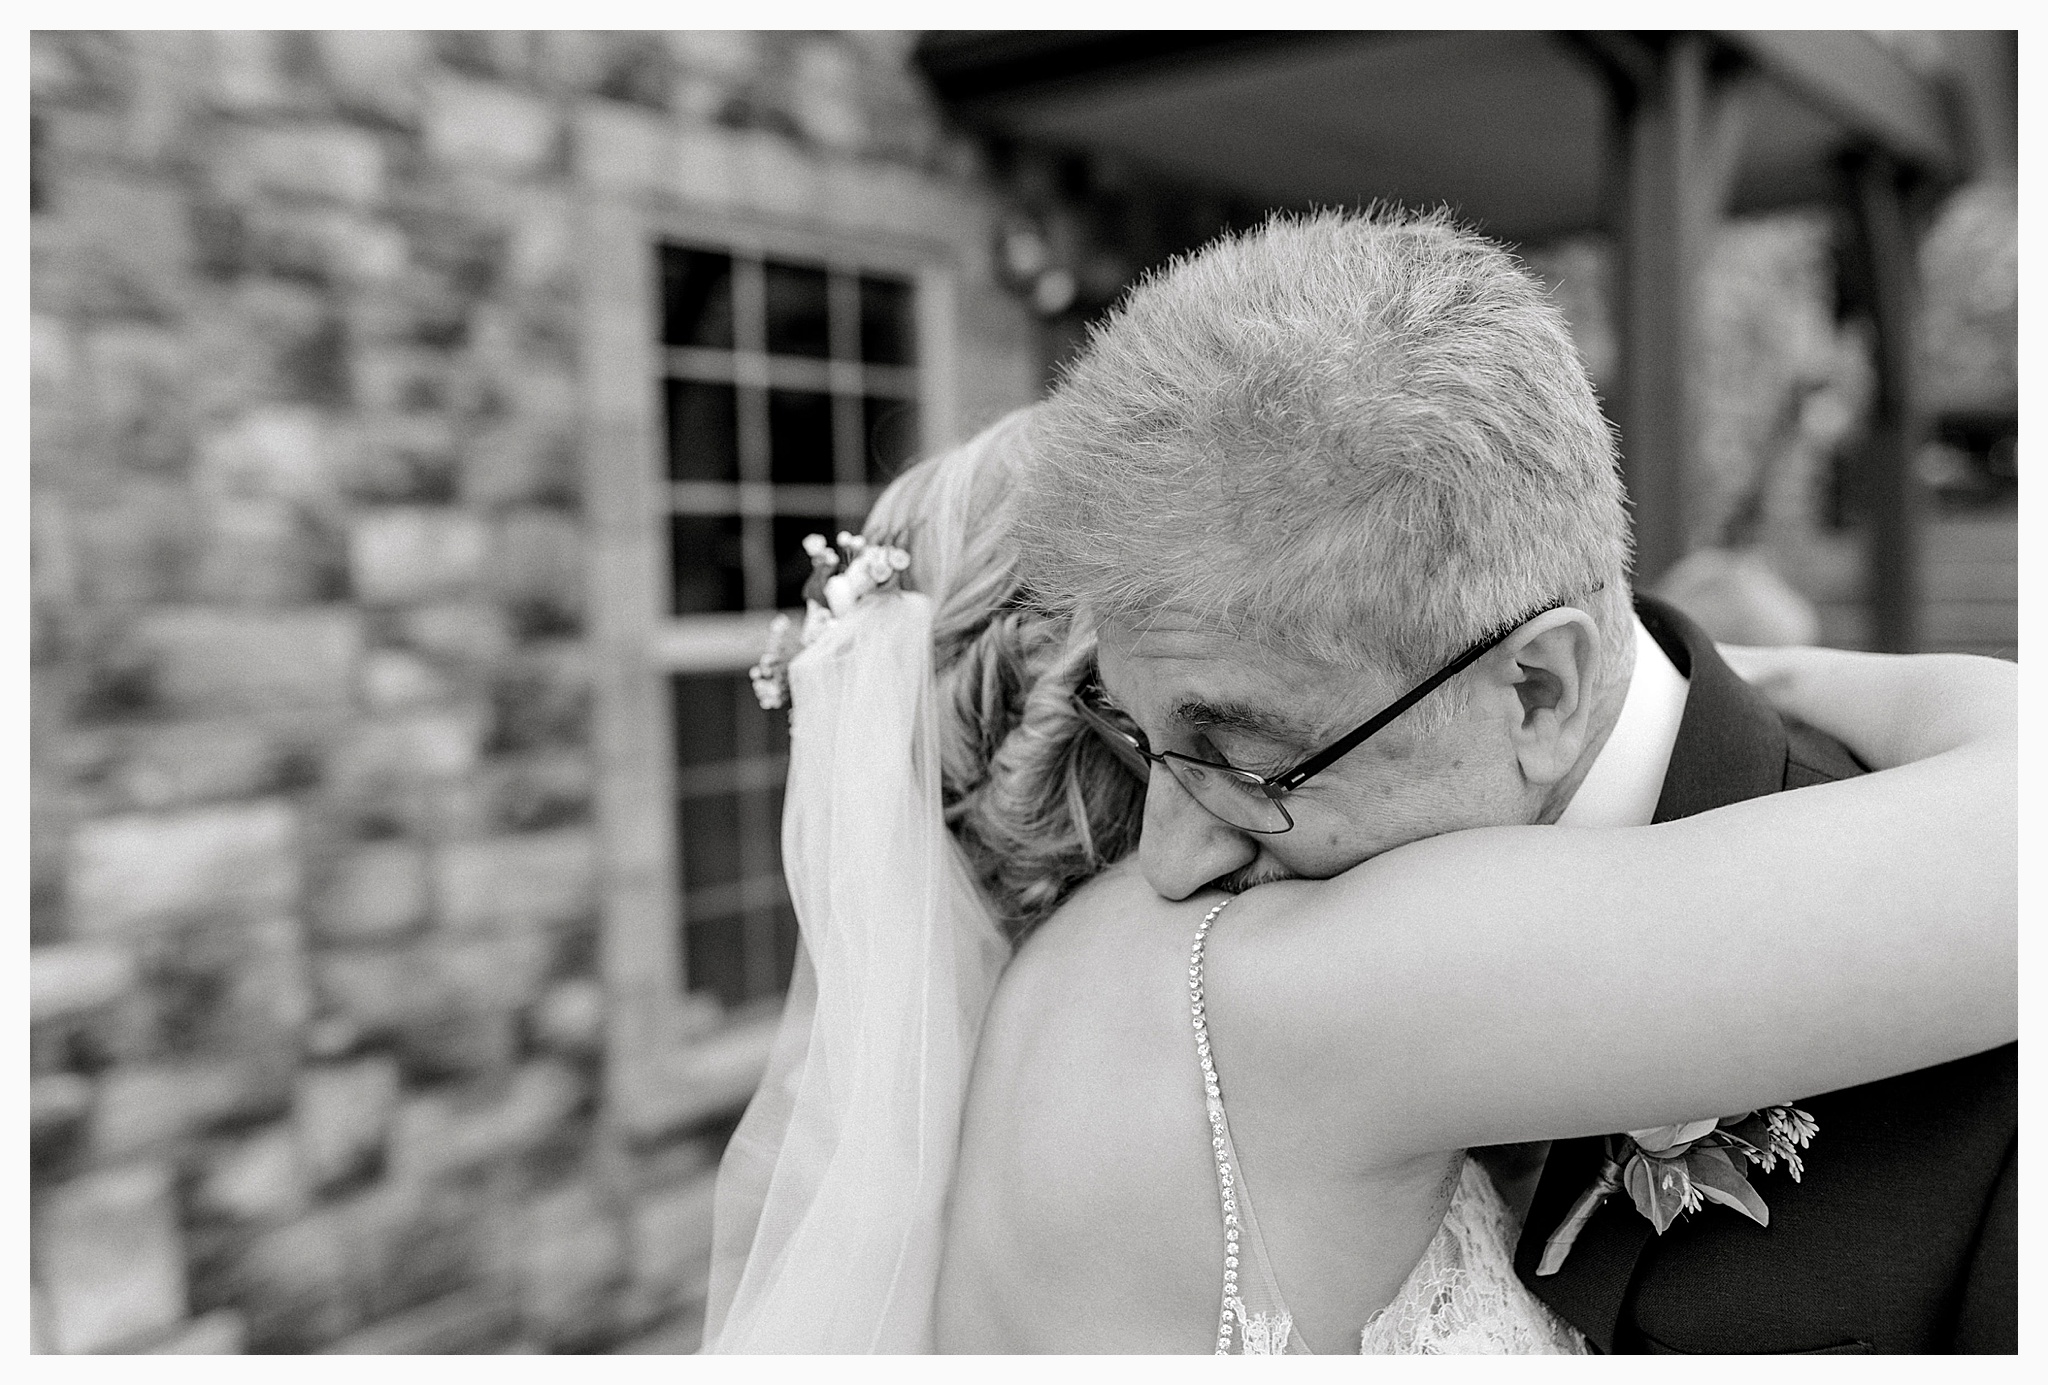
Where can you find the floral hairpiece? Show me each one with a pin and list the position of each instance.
(838, 581)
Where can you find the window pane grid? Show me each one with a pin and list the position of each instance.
(759, 498)
(735, 776)
(800, 446)
(844, 289)
(767, 972)
(848, 462)
(703, 430)
(731, 759)
(696, 306)
(791, 389)
(750, 304)
(736, 897)
(788, 372)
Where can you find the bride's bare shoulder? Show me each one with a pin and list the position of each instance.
(1110, 928)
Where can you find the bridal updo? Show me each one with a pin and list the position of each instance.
(1037, 804)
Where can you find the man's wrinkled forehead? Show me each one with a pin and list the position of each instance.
(1175, 669)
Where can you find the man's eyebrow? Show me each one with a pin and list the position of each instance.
(1241, 716)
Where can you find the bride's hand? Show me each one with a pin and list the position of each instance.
(1889, 709)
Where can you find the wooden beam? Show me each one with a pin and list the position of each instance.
(974, 67)
(1883, 264)
(1856, 80)
(1628, 62)
(1678, 148)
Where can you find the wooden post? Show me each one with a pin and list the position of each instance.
(1679, 137)
(1884, 275)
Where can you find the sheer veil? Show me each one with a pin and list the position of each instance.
(831, 1197)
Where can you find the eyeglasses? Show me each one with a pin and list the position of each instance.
(1252, 802)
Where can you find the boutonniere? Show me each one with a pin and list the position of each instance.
(1675, 1169)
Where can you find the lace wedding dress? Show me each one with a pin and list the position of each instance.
(1462, 1297)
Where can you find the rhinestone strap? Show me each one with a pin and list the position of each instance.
(1226, 1179)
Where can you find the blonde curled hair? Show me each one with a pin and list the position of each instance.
(1036, 802)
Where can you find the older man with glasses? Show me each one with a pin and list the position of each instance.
(1343, 510)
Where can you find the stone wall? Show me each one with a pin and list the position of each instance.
(317, 1054)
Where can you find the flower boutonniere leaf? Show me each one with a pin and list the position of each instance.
(1660, 1187)
(1714, 1173)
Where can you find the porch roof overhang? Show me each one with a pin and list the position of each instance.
(1512, 131)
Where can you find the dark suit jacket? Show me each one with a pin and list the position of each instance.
(1903, 1236)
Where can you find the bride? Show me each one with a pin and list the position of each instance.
(986, 1125)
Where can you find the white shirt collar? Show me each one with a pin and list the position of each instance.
(1627, 777)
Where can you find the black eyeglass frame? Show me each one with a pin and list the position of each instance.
(1277, 786)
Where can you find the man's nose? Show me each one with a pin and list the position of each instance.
(1183, 846)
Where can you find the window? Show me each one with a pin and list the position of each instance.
(789, 395)
(742, 384)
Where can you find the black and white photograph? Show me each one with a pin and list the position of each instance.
(1116, 692)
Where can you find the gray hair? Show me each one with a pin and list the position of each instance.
(1362, 439)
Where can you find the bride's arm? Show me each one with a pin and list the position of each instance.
(1889, 709)
(1532, 983)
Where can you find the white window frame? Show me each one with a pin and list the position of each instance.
(670, 1060)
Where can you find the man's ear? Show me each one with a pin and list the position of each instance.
(1555, 659)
